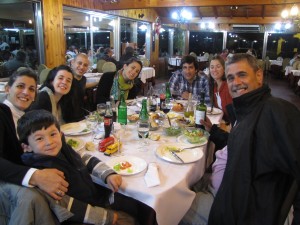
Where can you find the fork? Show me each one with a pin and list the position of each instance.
(182, 149)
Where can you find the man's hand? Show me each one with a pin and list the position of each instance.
(114, 181)
(207, 124)
(52, 181)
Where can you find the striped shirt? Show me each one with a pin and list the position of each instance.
(179, 84)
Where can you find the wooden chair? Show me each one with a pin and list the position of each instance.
(100, 64)
(109, 67)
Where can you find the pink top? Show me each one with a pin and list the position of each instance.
(218, 168)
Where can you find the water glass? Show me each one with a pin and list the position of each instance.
(118, 131)
(101, 109)
(91, 124)
(143, 128)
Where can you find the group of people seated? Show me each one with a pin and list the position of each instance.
(256, 164)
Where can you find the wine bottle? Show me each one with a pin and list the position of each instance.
(122, 110)
(189, 111)
(200, 112)
(168, 92)
(144, 116)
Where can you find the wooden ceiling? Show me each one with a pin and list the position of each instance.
(218, 11)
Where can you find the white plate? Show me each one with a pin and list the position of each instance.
(81, 143)
(215, 111)
(137, 164)
(73, 129)
(182, 139)
(188, 156)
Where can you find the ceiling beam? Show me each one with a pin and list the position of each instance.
(229, 20)
(138, 4)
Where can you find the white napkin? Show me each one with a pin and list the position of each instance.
(152, 177)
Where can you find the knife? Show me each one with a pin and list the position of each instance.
(176, 156)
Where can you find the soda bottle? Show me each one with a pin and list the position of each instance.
(108, 120)
(144, 116)
(122, 110)
(200, 112)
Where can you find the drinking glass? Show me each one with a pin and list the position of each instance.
(91, 124)
(143, 128)
(101, 109)
(166, 106)
(118, 131)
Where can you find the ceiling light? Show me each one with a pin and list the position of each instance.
(290, 16)
(182, 16)
(143, 27)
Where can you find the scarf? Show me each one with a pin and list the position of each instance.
(16, 113)
(119, 84)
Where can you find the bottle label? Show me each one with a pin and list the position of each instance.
(200, 115)
(107, 121)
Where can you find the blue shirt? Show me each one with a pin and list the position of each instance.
(178, 83)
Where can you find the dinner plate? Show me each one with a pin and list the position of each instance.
(182, 139)
(215, 111)
(73, 129)
(79, 143)
(137, 164)
(188, 156)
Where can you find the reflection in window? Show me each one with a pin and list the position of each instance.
(202, 42)
(242, 42)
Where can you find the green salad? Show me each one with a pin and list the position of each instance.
(73, 143)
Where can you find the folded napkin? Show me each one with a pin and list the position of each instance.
(152, 177)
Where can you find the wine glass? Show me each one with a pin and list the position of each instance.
(143, 128)
(166, 106)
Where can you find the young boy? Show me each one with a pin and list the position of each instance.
(45, 147)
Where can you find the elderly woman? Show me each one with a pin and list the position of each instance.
(112, 83)
(218, 88)
(55, 94)
(19, 204)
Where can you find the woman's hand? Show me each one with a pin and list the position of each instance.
(52, 181)
(114, 181)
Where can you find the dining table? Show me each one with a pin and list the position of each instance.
(171, 197)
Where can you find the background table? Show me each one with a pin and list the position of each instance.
(147, 73)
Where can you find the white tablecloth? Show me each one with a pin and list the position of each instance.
(288, 70)
(93, 77)
(146, 73)
(202, 58)
(276, 62)
(296, 73)
(173, 197)
(175, 61)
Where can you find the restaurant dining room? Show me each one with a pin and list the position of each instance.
(134, 92)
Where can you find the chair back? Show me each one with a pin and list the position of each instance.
(145, 62)
(109, 67)
(261, 64)
(296, 65)
(43, 75)
(285, 62)
(41, 67)
(267, 63)
(100, 65)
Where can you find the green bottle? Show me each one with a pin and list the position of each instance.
(168, 92)
(200, 112)
(144, 116)
(122, 110)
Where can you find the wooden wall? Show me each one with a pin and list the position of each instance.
(55, 43)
